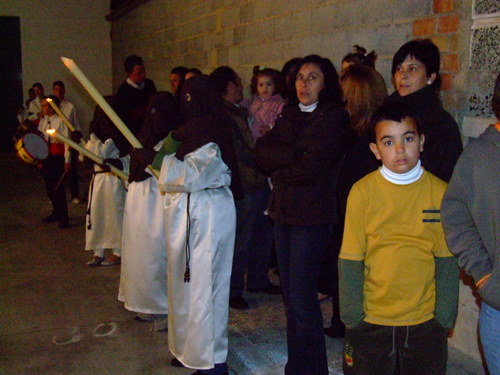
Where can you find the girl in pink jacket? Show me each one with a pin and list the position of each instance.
(266, 103)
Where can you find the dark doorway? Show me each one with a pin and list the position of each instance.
(11, 93)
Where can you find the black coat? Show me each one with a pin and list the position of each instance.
(443, 144)
(132, 104)
(301, 154)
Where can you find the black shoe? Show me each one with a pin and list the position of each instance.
(52, 218)
(64, 223)
(269, 289)
(336, 330)
(176, 363)
(238, 303)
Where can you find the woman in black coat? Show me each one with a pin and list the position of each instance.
(415, 71)
(300, 154)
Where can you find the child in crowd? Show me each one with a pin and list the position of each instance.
(266, 103)
(57, 164)
(471, 220)
(398, 281)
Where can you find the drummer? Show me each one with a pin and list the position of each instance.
(57, 165)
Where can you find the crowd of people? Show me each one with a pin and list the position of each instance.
(343, 183)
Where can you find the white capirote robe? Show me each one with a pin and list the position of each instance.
(104, 220)
(198, 309)
(143, 277)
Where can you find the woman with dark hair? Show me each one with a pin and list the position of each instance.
(300, 154)
(200, 223)
(415, 73)
(288, 72)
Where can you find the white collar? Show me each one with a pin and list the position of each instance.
(308, 108)
(135, 85)
(402, 178)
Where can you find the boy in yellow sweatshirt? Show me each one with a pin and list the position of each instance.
(398, 281)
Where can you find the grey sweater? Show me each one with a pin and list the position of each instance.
(471, 213)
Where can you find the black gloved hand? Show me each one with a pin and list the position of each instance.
(114, 162)
(76, 136)
(144, 156)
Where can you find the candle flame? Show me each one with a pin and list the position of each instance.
(48, 99)
(51, 131)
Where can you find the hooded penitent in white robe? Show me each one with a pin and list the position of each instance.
(104, 220)
(143, 277)
(198, 206)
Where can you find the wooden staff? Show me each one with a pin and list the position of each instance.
(99, 99)
(87, 153)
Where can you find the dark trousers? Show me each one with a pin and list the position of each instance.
(253, 243)
(299, 250)
(73, 175)
(372, 349)
(52, 171)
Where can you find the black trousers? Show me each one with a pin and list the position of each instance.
(372, 349)
(52, 171)
(73, 175)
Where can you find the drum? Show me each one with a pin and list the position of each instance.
(32, 148)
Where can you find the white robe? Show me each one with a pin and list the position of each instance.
(197, 320)
(143, 277)
(106, 201)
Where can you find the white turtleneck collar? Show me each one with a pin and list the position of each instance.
(308, 108)
(402, 178)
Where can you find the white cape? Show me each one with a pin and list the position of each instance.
(143, 277)
(197, 320)
(104, 220)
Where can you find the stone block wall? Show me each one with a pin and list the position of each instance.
(244, 33)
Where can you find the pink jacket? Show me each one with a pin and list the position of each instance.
(263, 111)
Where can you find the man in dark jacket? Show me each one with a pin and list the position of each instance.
(252, 249)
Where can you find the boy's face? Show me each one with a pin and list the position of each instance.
(47, 109)
(59, 91)
(175, 82)
(398, 144)
(138, 74)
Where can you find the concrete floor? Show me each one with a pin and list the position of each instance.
(61, 317)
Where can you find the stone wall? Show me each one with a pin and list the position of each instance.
(75, 29)
(241, 34)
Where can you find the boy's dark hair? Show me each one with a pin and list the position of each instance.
(221, 76)
(180, 70)
(392, 112)
(58, 83)
(496, 98)
(359, 56)
(260, 71)
(194, 71)
(132, 61)
(331, 93)
(423, 50)
(54, 98)
(37, 84)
